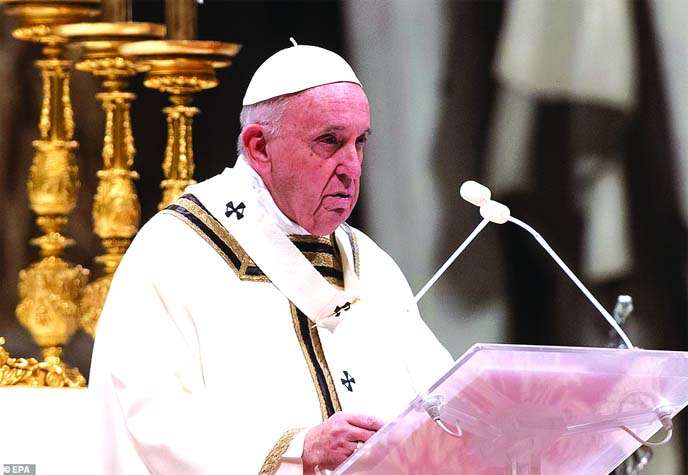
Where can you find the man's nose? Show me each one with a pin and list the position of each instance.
(350, 165)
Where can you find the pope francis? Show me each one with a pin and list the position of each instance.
(249, 329)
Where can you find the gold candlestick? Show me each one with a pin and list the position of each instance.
(180, 68)
(51, 288)
(116, 208)
(115, 11)
(181, 19)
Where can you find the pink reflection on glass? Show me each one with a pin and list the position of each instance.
(528, 410)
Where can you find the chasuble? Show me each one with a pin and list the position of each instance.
(228, 332)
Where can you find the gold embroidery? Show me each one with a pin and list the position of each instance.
(326, 370)
(310, 238)
(227, 238)
(311, 368)
(320, 356)
(323, 259)
(222, 254)
(320, 259)
(272, 461)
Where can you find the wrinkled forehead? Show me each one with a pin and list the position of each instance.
(343, 100)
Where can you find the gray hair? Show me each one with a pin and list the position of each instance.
(266, 113)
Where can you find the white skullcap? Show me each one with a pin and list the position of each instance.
(295, 69)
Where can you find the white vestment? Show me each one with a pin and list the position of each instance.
(203, 365)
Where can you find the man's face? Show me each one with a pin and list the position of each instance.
(315, 161)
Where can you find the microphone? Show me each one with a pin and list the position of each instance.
(480, 195)
(495, 212)
(475, 193)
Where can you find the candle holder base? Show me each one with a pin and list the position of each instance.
(51, 372)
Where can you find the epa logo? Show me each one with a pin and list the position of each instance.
(23, 468)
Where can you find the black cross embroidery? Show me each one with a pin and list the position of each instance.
(338, 310)
(239, 210)
(348, 380)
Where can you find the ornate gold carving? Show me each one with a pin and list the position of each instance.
(45, 13)
(53, 178)
(36, 33)
(178, 165)
(116, 208)
(180, 68)
(92, 302)
(182, 83)
(30, 372)
(108, 67)
(50, 289)
(38, 17)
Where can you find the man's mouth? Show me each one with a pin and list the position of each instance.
(340, 200)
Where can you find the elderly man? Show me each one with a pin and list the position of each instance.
(248, 328)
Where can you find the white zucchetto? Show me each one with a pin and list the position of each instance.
(295, 69)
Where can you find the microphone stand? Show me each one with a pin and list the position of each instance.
(637, 462)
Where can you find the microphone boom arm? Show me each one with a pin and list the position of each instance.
(498, 213)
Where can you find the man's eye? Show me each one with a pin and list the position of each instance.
(329, 140)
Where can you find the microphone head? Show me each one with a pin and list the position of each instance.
(475, 193)
(495, 212)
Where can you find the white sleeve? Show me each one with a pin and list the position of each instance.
(424, 356)
(426, 359)
(147, 375)
(146, 361)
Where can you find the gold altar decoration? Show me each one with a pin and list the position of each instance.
(50, 289)
(116, 209)
(31, 372)
(180, 68)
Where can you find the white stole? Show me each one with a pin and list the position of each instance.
(273, 252)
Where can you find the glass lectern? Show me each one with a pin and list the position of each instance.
(529, 410)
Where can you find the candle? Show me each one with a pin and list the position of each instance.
(180, 18)
(114, 11)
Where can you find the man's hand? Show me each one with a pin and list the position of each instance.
(328, 444)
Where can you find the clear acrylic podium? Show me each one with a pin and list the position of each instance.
(528, 410)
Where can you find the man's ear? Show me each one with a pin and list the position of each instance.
(255, 148)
